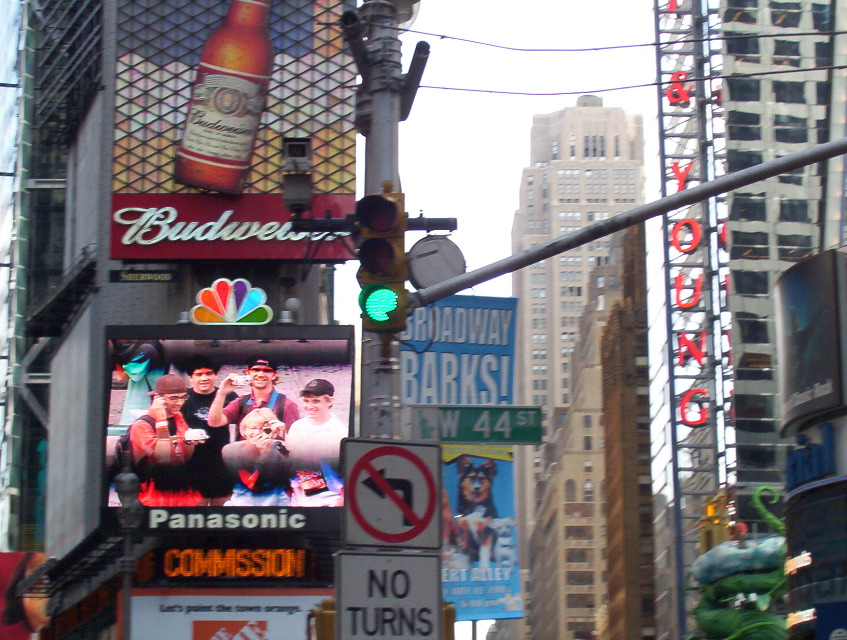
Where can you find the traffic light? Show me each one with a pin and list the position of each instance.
(383, 266)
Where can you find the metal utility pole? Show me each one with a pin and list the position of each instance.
(383, 99)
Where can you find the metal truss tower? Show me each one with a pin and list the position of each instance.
(692, 435)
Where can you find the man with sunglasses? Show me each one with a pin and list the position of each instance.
(160, 450)
(263, 378)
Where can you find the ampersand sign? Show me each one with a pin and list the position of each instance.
(678, 93)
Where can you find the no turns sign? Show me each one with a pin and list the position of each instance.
(392, 494)
(388, 596)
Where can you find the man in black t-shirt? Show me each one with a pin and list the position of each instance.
(206, 469)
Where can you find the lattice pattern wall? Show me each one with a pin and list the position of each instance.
(310, 93)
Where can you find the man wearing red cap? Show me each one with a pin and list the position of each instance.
(263, 378)
(159, 449)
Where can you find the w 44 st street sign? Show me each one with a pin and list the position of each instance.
(470, 424)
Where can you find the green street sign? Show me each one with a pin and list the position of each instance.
(470, 424)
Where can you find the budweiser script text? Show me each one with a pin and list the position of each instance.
(149, 226)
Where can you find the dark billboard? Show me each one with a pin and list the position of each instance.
(808, 341)
(232, 428)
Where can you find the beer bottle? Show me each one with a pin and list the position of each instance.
(227, 100)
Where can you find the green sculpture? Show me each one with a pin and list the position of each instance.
(737, 581)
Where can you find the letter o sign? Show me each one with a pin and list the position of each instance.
(696, 235)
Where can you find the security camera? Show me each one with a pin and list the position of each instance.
(297, 175)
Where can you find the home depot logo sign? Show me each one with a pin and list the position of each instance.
(229, 630)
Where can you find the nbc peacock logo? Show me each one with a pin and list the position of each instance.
(231, 302)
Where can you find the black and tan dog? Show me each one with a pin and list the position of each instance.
(475, 508)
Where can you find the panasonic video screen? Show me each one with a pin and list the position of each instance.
(230, 428)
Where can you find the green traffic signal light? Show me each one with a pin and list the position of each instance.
(377, 302)
(381, 222)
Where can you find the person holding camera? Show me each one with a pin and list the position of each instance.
(259, 462)
(161, 444)
(263, 393)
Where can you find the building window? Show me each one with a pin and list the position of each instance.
(786, 52)
(744, 126)
(580, 601)
(744, 89)
(790, 129)
(587, 466)
(789, 92)
(754, 330)
(785, 14)
(754, 406)
(795, 176)
(757, 457)
(570, 491)
(744, 46)
(754, 366)
(743, 11)
(554, 150)
(586, 443)
(823, 54)
(579, 578)
(793, 247)
(822, 17)
(749, 246)
(579, 555)
(750, 282)
(579, 533)
(737, 160)
(748, 206)
(793, 210)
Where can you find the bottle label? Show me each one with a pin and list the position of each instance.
(223, 117)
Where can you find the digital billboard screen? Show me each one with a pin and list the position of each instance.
(230, 428)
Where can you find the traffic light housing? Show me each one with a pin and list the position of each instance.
(381, 222)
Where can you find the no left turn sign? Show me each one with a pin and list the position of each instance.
(392, 494)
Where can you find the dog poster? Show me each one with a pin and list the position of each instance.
(479, 551)
(461, 351)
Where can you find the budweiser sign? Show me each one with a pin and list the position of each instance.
(169, 227)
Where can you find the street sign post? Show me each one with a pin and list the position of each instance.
(388, 596)
(392, 494)
(470, 424)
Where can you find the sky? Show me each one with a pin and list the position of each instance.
(462, 153)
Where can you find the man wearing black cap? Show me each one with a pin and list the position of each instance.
(206, 469)
(160, 450)
(314, 443)
(263, 393)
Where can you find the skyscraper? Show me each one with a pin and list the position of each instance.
(586, 164)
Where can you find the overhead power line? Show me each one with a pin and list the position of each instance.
(716, 37)
(721, 36)
(636, 86)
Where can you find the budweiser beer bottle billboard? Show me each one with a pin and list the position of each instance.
(227, 100)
